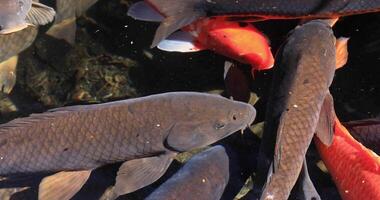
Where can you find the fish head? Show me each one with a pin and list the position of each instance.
(13, 14)
(205, 119)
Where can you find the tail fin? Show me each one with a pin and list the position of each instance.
(178, 13)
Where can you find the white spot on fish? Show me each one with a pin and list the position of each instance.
(147, 142)
(203, 180)
(270, 197)
(363, 181)
(295, 106)
(158, 125)
(1, 157)
(346, 191)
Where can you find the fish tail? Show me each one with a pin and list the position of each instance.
(178, 13)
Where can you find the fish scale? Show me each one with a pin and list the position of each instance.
(47, 151)
(307, 63)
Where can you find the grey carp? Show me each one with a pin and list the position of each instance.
(304, 70)
(145, 132)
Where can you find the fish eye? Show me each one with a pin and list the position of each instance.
(234, 117)
(1, 27)
(219, 125)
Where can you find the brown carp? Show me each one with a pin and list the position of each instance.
(145, 132)
(304, 70)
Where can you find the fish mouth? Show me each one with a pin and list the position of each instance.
(13, 29)
(251, 118)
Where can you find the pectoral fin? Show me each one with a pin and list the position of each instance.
(62, 185)
(138, 173)
(179, 41)
(341, 51)
(142, 11)
(8, 74)
(325, 127)
(65, 30)
(40, 14)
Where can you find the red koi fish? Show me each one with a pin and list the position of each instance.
(239, 41)
(354, 168)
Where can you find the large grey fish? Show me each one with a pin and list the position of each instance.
(305, 67)
(181, 13)
(16, 15)
(204, 176)
(68, 11)
(145, 132)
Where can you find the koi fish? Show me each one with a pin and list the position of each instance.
(239, 41)
(353, 167)
(181, 13)
(145, 133)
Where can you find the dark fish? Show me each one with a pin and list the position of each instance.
(146, 132)
(16, 15)
(10, 46)
(304, 70)
(204, 176)
(181, 13)
(68, 11)
(367, 132)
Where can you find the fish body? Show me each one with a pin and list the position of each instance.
(367, 132)
(182, 13)
(10, 46)
(16, 15)
(304, 70)
(353, 167)
(13, 44)
(204, 176)
(149, 130)
(239, 41)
